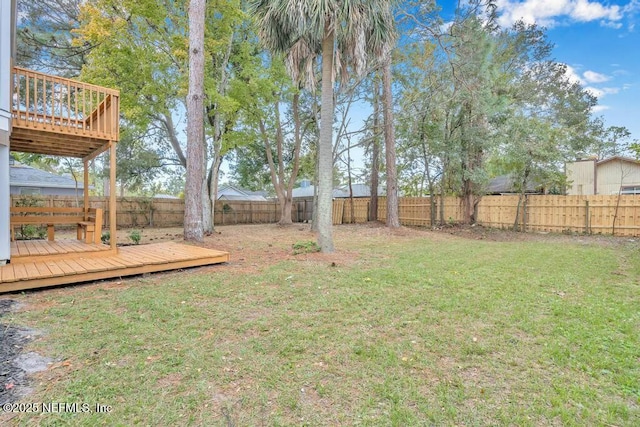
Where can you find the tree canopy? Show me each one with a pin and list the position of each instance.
(463, 100)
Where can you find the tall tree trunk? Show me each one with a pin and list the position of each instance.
(288, 190)
(325, 145)
(353, 208)
(193, 230)
(393, 220)
(375, 153)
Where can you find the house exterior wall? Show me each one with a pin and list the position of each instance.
(46, 191)
(581, 176)
(7, 30)
(616, 173)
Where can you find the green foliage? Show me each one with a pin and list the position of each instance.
(45, 37)
(306, 247)
(135, 236)
(480, 101)
(29, 231)
(106, 237)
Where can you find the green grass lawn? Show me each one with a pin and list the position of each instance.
(414, 330)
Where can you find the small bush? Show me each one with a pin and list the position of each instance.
(42, 232)
(106, 237)
(27, 232)
(135, 236)
(305, 247)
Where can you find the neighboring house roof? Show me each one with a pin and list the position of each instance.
(230, 192)
(360, 190)
(304, 192)
(504, 184)
(26, 176)
(165, 196)
(621, 158)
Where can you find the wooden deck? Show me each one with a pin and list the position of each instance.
(70, 264)
(43, 250)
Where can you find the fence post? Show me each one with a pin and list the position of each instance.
(525, 213)
(586, 217)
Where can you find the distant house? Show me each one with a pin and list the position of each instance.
(359, 190)
(26, 180)
(230, 192)
(607, 176)
(306, 190)
(504, 184)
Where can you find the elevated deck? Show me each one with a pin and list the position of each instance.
(62, 117)
(58, 263)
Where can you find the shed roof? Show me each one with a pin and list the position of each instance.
(504, 184)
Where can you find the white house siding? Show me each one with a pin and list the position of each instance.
(581, 177)
(7, 20)
(616, 173)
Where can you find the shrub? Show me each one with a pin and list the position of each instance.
(135, 236)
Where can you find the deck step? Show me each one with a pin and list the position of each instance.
(43, 250)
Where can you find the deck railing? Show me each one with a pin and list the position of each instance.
(44, 102)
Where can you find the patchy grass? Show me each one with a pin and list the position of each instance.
(417, 329)
(306, 247)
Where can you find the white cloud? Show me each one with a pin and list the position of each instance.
(593, 77)
(632, 7)
(611, 24)
(600, 108)
(598, 93)
(585, 11)
(444, 27)
(548, 12)
(601, 92)
(572, 75)
(610, 90)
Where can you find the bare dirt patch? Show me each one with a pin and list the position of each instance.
(254, 247)
(15, 366)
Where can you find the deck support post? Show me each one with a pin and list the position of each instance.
(112, 198)
(86, 189)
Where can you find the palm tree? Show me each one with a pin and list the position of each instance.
(346, 34)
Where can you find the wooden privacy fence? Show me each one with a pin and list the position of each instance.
(229, 212)
(582, 214)
(130, 212)
(160, 212)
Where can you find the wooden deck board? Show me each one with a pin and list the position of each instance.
(7, 274)
(43, 250)
(74, 267)
(55, 268)
(65, 267)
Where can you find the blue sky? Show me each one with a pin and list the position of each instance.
(600, 43)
